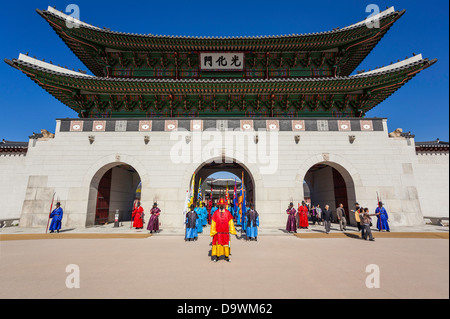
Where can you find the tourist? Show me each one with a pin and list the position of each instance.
(382, 222)
(303, 216)
(313, 214)
(327, 215)
(340, 213)
(56, 216)
(191, 227)
(221, 227)
(318, 214)
(252, 223)
(138, 216)
(357, 212)
(366, 224)
(153, 223)
(291, 222)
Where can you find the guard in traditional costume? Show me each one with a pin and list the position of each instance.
(382, 215)
(199, 223)
(291, 225)
(213, 210)
(303, 215)
(191, 225)
(204, 214)
(56, 216)
(237, 214)
(252, 223)
(221, 227)
(138, 216)
(153, 223)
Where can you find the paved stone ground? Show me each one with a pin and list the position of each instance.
(277, 266)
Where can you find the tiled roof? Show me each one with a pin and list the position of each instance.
(13, 147)
(436, 145)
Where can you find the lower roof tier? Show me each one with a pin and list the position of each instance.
(348, 96)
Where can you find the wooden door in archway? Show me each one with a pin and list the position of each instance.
(340, 191)
(103, 199)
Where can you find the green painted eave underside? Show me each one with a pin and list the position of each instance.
(112, 97)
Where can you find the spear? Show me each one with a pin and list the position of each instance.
(51, 207)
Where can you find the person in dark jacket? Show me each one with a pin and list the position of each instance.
(327, 215)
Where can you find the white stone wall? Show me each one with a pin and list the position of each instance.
(13, 185)
(71, 166)
(432, 174)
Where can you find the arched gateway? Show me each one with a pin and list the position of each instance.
(227, 165)
(331, 184)
(113, 189)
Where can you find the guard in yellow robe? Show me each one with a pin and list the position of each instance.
(221, 227)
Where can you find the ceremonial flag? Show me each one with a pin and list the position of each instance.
(200, 196)
(186, 202)
(191, 192)
(243, 207)
(235, 204)
(227, 196)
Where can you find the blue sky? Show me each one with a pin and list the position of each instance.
(421, 106)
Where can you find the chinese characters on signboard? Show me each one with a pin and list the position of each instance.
(230, 61)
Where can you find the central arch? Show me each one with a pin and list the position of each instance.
(230, 166)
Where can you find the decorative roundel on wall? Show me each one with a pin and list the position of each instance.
(344, 126)
(171, 125)
(76, 126)
(366, 125)
(196, 125)
(99, 126)
(246, 125)
(145, 126)
(272, 125)
(298, 125)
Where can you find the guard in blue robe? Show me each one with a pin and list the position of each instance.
(56, 216)
(204, 215)
(213, 210)
(238, 217)
(382, 215)
(191, 225)
(198, 222)
(252, 223)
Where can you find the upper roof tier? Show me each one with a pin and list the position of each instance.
(94, 45)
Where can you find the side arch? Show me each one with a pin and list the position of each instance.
(333, 180)
(95, 173)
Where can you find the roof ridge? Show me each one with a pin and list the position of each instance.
(61, 15)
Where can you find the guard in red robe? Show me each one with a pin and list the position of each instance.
(221, 227)
(138, 216)
(303, 215)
